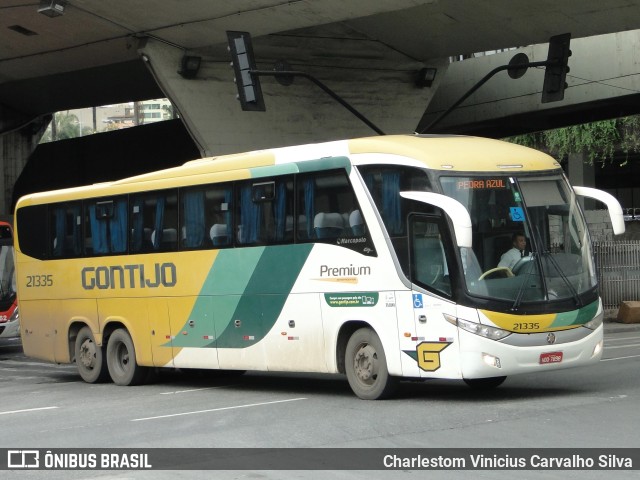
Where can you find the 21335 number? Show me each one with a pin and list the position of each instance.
(39, 281)
(526, 326)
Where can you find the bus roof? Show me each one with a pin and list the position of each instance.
(439, 152)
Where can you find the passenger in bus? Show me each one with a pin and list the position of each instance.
(515, 253)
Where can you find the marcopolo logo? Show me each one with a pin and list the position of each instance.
(129, 276)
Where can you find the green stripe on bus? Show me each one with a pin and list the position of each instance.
(272, 170)
(243, 296)
(221, 292)
(328, 163)
(265, 296)
(576, 317)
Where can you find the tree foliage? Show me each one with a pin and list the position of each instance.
(601, 142)
(64, 125)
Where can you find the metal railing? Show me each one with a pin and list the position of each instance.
(618, 270)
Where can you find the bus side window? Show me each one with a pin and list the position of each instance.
(192, 232)
(265, 211)
(140, 224)
(105, 226)
(154, 221)
(328, 204)
(219, 215)
(65, 230)
(33, 225)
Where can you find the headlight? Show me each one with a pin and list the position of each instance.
(478, 329)
(596, 322)
(15, 315)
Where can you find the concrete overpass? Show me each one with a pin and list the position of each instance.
(100, 52)
(603, 82)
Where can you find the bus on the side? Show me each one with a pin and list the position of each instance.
(9, 317)
(376, 257)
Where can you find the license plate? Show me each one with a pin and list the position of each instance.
(550, 357)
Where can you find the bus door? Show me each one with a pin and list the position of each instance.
(435, 342)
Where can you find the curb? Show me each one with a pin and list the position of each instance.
(612, 326)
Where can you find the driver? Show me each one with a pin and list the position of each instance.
(515, 253)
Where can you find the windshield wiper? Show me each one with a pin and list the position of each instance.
(520, 292)
(574, 293)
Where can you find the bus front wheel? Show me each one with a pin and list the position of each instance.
(90, 357)
(366, 366)
(121, 360)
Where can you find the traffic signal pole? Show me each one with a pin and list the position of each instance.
(331, 93)
(473, 89)
(554, 78)
(248, 83)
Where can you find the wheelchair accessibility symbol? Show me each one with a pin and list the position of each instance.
(517, 214)
(417, 300)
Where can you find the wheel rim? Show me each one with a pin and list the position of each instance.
(365, 364)
(122, 357)
(88, 354)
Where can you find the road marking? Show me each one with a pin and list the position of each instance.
(39, 364)
(196, 389)
(218, 409)
(608, 347)
(618, 358)
(621, 339)
(27, 410)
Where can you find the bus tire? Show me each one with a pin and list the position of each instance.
(90, 357)
(366, 366)
(484, 383)
(121, 360)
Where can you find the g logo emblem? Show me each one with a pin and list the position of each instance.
(429, 355)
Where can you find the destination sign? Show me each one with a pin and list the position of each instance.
(481, 183)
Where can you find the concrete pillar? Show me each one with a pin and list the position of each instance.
(381, 87)
(16, 147)
(581, 173)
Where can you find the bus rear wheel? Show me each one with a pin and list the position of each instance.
(484, 383)
(366, 366)
(90, 357)
(121, 360)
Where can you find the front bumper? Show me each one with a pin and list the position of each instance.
(514, 360)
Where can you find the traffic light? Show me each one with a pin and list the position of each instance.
(249, 91)
(556, 71)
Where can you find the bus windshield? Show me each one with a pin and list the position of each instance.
(530, 241)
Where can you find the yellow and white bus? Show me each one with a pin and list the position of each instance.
(374, 257)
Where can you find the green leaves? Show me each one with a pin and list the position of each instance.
(602, 142)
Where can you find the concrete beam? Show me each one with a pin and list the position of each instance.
(604, 72)
(378, 82)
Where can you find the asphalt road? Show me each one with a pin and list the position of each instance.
(48, 406)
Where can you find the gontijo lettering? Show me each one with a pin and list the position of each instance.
(129, 276)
